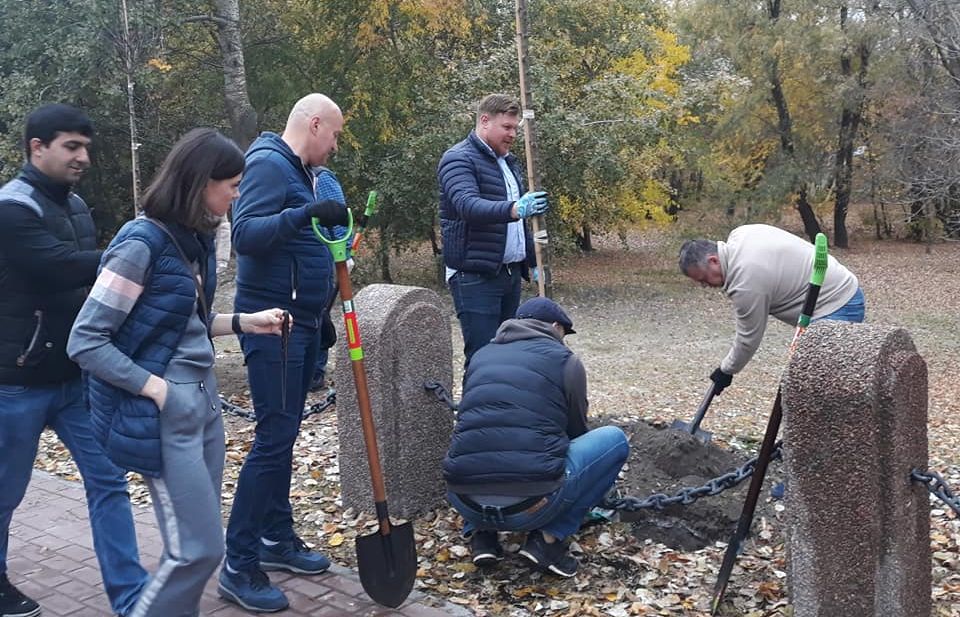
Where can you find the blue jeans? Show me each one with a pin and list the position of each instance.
(854, 310)
(593, 462)
(261, 505)
(483, 302)
(24, 412)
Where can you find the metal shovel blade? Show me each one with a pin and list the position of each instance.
(694, 427)
(703, 436)
(388, 564)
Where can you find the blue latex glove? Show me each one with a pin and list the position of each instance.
(532, 203)
(535, 274)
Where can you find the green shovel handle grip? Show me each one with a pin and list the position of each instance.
(337, 246)
(371, 204)
(819, 260)
(817, 275)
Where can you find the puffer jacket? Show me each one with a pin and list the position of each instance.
(128, 425)
(48, 258)
(514, 424)
(475, 209)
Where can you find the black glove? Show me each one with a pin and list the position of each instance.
(721, 380)
(328, 212)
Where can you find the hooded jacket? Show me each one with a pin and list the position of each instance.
(524, 399)
(279, 260)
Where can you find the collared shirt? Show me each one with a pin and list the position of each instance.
(515, 249)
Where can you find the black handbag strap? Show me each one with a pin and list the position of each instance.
(197, 279)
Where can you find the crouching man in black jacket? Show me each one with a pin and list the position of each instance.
(521, 457)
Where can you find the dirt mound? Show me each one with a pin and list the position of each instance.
(663, 460)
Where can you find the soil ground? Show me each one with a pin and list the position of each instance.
(649, 338)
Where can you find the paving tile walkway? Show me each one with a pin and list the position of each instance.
(51, 559)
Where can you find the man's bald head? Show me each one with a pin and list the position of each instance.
(319, 105)
(313, 126)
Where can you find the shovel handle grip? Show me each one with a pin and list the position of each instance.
(337, 246)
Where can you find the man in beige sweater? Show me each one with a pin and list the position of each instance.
(765, 271)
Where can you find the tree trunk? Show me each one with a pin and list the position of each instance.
(785, 125)
(243, 117)
(538, 224)
(383, 253)
(585, 239)
(811, 226)
(784, 121)
(785, 128)
(849, 125)
(128, 64)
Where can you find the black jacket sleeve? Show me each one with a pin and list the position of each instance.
(46, 262)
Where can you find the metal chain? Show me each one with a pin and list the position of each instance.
(937, 486)
(442, 395)
(329, 399)
(688, 495)
(249, 415)
(228, 407)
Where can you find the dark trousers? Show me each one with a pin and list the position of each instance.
(261, 506)
(483, 302)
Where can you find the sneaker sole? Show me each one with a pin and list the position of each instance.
(229, 596)
(485, 560)
(530, 557)
(551, 568)
(271, 566)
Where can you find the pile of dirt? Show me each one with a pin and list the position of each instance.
(664, 460)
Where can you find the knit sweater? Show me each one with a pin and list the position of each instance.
(766, 272)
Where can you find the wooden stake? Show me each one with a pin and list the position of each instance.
(539, 223)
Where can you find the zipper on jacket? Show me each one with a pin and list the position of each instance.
(294, 278)
(22, 358)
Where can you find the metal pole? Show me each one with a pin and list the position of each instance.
(540, 239)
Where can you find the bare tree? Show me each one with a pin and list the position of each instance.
(926, 159)
(128, 65)
(941, 18)
(236, 98)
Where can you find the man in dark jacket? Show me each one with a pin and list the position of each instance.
(486, 245)
(279, 264)
(48, 258)
(521, 457)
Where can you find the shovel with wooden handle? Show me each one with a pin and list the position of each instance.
(387, 558)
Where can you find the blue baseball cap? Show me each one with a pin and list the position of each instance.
(545, 309)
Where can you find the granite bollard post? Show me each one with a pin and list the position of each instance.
(855, 425)
(406, 341)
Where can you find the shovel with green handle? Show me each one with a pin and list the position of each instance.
(387, 558)
(773, 427)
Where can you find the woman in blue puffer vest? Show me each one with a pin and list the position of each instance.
(143, 339)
